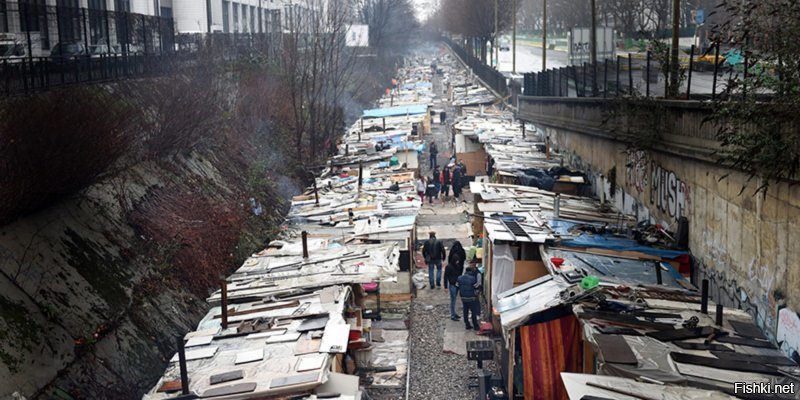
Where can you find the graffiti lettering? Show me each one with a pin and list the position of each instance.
(668, 193)
(636, 169)
(788, 331)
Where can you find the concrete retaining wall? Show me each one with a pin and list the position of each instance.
(747, 245)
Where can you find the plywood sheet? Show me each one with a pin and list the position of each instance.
(249, 356)
(197, 354)
(307, 346)
(198, 341)
(334, 339)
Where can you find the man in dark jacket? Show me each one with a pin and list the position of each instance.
(454, 269)
(457, 178)
(434, 150)
(433, 251)
(467, 287)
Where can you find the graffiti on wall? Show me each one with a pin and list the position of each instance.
(668, 193)
(789, 332)
(636, 169)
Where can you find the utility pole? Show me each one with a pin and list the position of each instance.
(514, 38)
(494, 43)
(593, 33)
(674, 63)
(544, 35)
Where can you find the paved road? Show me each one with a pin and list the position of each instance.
(529, 59)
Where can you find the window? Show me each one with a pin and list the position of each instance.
(252, 19)
(33, 18)
(121, 22)
(226, 22)
(3, 16)
(166, 12)
(235, 17)
(122, 5)
(97, 24)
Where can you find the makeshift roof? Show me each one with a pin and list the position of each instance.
(396, 111)
(270, 361)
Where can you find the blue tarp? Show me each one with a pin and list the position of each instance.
(624, 270)
(396, 111)
(607, 241)
(395, 222)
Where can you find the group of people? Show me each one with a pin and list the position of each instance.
(457, 281)
(440, 182)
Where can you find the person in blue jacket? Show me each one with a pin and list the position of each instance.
(468, 286)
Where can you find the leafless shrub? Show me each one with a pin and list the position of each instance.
(54, 144)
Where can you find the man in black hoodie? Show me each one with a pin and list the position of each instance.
(433, 251)
(454, 269)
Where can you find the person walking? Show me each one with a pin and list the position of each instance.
(430, 190)
(421, 189)
(457, 178)
(433, 251)
(434, 153)
(436, 177)
(469, 297)
(454, 269)
(445, 178)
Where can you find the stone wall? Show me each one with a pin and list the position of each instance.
(747, 245)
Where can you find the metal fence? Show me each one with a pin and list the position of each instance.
(492, 77)
(45, 46)
(635, 74)
(51, 46)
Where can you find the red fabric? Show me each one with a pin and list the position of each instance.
(548, 349)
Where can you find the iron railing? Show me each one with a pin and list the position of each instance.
(51, 46)
(492, 77)
(634, 74)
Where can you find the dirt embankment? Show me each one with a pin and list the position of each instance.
(99, 274)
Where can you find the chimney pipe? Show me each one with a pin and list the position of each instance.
(360, 174)
(704, 298)
(659, 279)
(719, 314)
(547, 147)
(224, 302)
(347, 149)
(304, 235)
(316, 194)
(557, 205)
(362, 129)
(182, 364)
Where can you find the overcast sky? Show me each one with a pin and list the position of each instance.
(425, 8)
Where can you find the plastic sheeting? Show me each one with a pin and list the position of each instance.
(536, 178)
(610, 242)
(577, 388)
(502, 270)
(395, 111)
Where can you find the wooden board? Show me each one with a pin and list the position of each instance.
(390, 297)
(747, 329)
(170, 386)
(307, 346)
(526, 271)
(230, 389)
(226, 377)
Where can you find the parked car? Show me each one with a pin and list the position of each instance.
(68, 50)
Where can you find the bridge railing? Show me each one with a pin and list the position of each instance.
(703, 77)
(492, 77)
